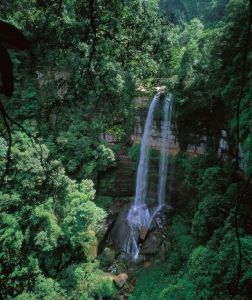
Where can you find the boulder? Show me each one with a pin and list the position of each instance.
(120, 279)
(160, 219)
(150, 238)
(121, 230)
(152, 244)
(143, 233)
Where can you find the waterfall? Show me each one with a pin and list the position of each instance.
(139, 215)
(166, 125)
(143, 167)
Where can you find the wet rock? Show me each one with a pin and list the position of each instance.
(160, 218)
(150, 239)
(143, 233)
(153, 241)
(121, 230)
(120, 279)
(152, 244)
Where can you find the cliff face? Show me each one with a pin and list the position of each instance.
(119, 181)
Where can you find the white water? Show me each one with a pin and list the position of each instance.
(166, 125)
(143, 166)
(139, 216)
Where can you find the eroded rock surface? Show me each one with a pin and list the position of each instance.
(151, 239)
(121, 229)
(120, 279)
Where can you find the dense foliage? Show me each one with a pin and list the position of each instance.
(75, 84)
(209, 245)
(202, 251)
(89, 59)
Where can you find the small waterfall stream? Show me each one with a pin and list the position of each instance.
(166, 125)
(140, 216)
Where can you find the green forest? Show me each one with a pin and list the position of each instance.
(71, 76)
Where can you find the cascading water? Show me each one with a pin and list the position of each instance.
(143, 166)
(166, 125)
(140, 216)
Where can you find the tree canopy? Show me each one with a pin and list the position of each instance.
(83, 65)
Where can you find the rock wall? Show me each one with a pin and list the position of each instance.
(118, 182)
